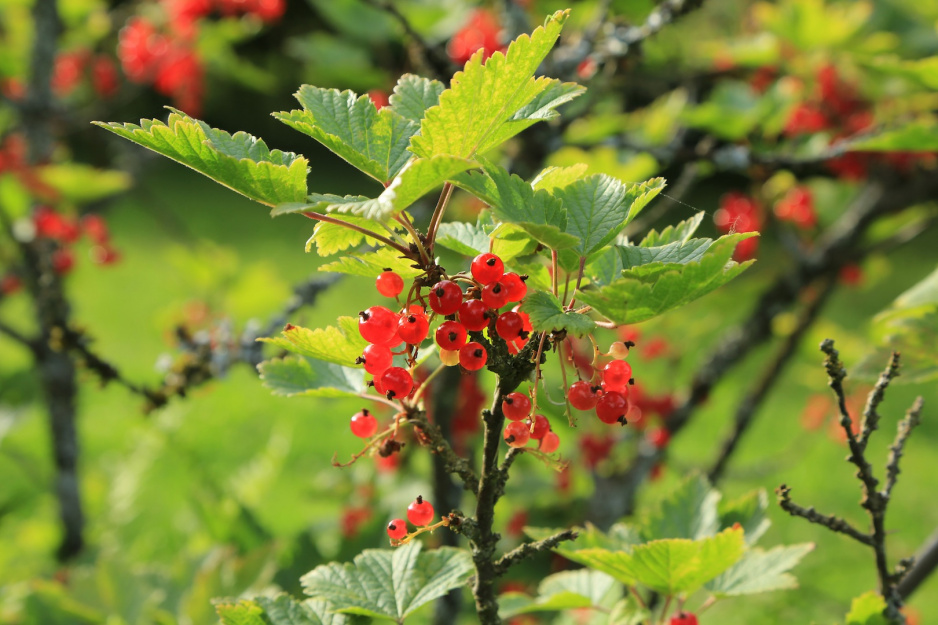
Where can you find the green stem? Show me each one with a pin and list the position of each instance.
(438, 215)
(416, 237)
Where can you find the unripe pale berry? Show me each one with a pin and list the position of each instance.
(517, 434)
(487, 268)
(472, 356)
(363, 424)
(516, 406)
(619, 350)
(449, 357)
(389, 284)
(397, 529)
(420, 512)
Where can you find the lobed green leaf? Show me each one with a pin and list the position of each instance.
(240, 162)
(548, 315)
(341, 345)
(760, 571)
(298, 375)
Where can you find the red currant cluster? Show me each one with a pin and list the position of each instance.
(67, 231)
(797, 206)
(167, 57)
(74, 65)
(482, 31)
(739, 213)
(524, 427)
(419, 513)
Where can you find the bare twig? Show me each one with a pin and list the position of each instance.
(831, 522)
(441, 448)
(926, 561)
(870, 416)
(527, 550)
(905, 428)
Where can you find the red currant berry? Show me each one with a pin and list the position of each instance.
(525, 319)
(517, 289)
(517, 434)
(487, 268)
(445, 297)
(364, 425)
(389, 284)
(413, 328)
(541, 426)
(472, 356)
(472, 315)
(62, 261)
(616, 376)
(516, 406)
(378, 325)
(376, 358)
(612, 408)
(395, 382)
(684, 618)
(549, 443)
(420, 512)
(451, 335)
(516, 346)
(397, 529)
(510, 326)
(494, 295)
(659, 437)
(582, 396)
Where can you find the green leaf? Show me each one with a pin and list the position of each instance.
(690, 511)
(242, 613)
(413, 95)
(297, 375)
(340, 345)
(552, 177)
(547, 315)
(673, 253)
(506, 240)
(732, 111)
(389, 584)
(331, 238)
(867, 609)
(281, 610)
(370, 264)
(670, 566)
(416, 179)
(240, 162)
(599, 207)
(513, 200)
(476, 112)
(564, 591)
(682, 232)
(628, 612)
(79, 183)
(919, 136)
(371, 140)
(646, 291)
(760, 571)
(541, 108)
(749, 511)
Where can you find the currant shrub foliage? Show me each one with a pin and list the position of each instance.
(431, 135)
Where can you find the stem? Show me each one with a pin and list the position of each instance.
(438, 215)
(423, 387)
(537, 371)
(579, 278)
(416, 237)
(368, 233)
(553, 272)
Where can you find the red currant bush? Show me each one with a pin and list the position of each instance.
(420, 512)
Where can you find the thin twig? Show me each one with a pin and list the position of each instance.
(870, 416)
(527, 550)
(831, 522)
(365, 231)
(437, 216)
(908, 423)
